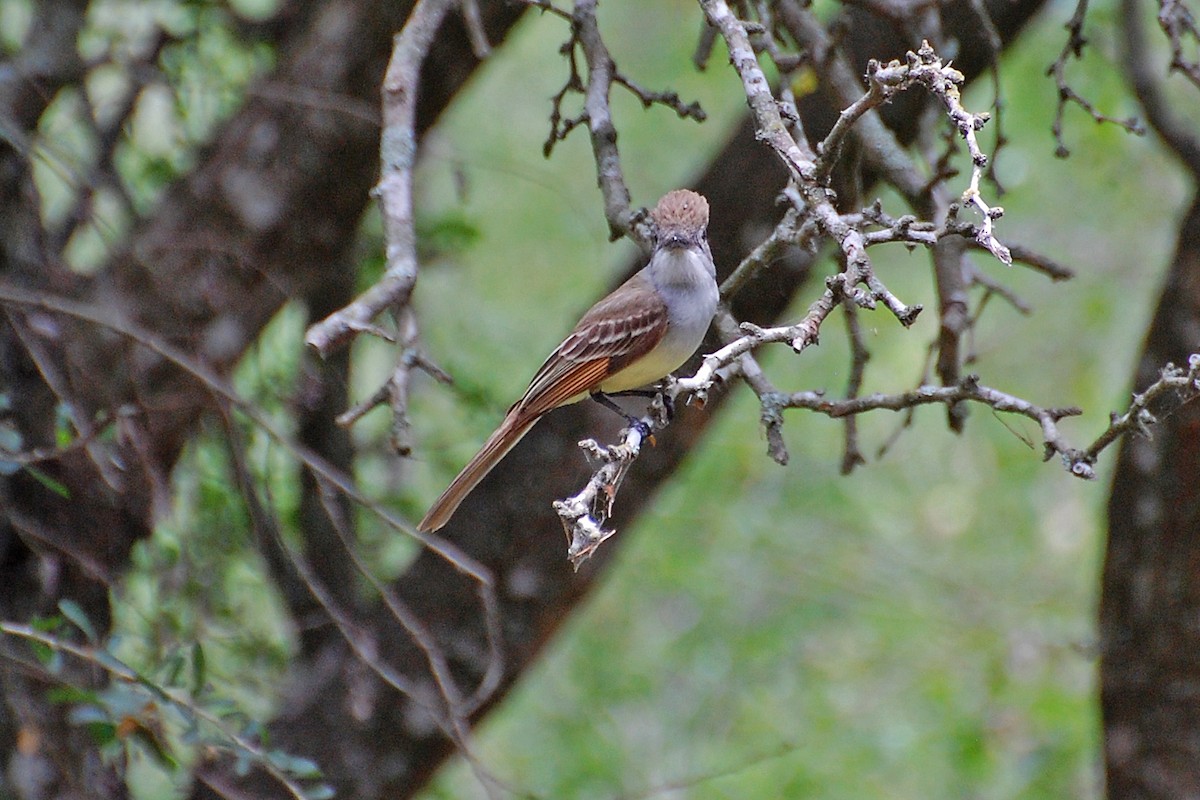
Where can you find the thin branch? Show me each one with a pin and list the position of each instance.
(859, 356)
(602, 73)
(58, 381)
(1073, 49)
(475, 32)
(881, 148)
(1078, 461)
(789, 232)
(1177, 22)
(1177, 132)
(949, 263)
(670, 99)
(584, 515)
(1171, 379)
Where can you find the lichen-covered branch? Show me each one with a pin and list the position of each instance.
(602, 73)
(584, 514)
(398, 153)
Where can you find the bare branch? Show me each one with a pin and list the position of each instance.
(583, 515)
(473, 22)
(1172, 379)
(1073, 48)
(398, 153)
(881, 148)
(602, 73)
(669, 99)
(1078, 461)
(1176, 130)
(859, 356)
(797, 156)
(1177, 22)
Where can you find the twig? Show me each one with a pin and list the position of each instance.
(949, 263)
(704, 47)
(787, 233)
(475, 32)
(602, 73)
(1176, 130)
(1073, 48)
(1138, 417)
(56, 377)
(881, 148)
(1078, 461)
(669, 99)
(859, 356)
(1177, 22)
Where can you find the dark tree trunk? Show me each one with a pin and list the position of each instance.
(1150, 596)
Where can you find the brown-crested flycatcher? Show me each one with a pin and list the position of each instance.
(637, 335)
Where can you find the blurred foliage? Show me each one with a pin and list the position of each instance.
(922, 628)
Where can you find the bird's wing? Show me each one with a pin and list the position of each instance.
(615, 332)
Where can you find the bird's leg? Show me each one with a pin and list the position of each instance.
(633, 422)
(659, 391)
(668, 402)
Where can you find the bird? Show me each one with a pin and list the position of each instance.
(641, 332)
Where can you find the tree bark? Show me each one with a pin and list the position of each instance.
(1150, 592)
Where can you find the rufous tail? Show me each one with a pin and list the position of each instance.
(494, 449)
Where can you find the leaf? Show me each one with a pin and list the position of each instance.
(75, 613)
(297, 766)
(146, 738)
(57, 487)
(191, 733)
(173, 665)
(242, 764)
(47, 656)
(102, 732)
(70, 694)
(322, 792)
(199, 669)
(10, 442)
